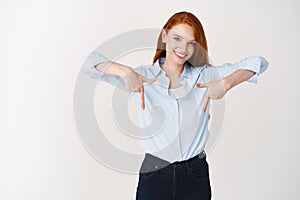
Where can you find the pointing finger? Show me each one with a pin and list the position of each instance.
(201, 85)
(207, 97)
(142, 98)
(149, 80)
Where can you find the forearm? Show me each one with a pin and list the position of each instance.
(237, 77)
(113, 68)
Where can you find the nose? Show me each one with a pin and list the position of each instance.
(183, 47)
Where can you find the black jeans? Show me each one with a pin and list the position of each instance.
(184, 180)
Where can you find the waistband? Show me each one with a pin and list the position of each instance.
(152, 163)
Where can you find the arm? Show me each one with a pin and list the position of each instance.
(113, 68)
(256, 64)
(231, 75)
(99, 67)
(237, 77)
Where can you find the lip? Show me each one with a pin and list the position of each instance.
(179, 55)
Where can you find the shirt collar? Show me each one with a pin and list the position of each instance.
(188, 71)
(189, 75)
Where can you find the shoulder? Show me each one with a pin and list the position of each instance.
(144, 70)
(209, 73)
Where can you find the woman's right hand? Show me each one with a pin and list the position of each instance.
(134, 83)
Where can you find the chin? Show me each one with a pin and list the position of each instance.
(176, 59)
(179, 60)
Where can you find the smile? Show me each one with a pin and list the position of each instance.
(179, 54)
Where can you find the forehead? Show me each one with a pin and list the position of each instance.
(183, 30)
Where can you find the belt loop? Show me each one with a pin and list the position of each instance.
(187, 167)
(201, 154)
(158, 166)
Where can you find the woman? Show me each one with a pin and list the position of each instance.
(176, 88)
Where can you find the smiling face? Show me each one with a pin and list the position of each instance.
(180, 44)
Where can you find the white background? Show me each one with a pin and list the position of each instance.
(42, 44)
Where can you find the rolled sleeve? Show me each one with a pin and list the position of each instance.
(88, 65)
(257, 64)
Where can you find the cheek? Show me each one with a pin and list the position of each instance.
(171, 45)
(191, 51)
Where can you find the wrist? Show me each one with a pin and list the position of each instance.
(227, 83)
(124, 70)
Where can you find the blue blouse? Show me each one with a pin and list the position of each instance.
(173, 127)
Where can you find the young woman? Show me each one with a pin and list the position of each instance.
(181, 81)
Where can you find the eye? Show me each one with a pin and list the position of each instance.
(192, 43)
(177, 38)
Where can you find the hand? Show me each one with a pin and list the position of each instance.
(216, 90)
(134, 82)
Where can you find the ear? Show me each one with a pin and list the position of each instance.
(163, 36)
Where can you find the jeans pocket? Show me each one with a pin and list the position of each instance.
(146, 175)
(199, 170)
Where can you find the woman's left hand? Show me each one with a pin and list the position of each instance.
(216, 90)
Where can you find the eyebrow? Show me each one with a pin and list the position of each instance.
(174, 34)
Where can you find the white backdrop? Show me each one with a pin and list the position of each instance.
(42, 44)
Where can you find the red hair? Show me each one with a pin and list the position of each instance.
(200, 56)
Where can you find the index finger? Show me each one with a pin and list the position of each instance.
(207, 97)
(201, 85)
(142, 98)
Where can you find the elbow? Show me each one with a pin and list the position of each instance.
(264, 64)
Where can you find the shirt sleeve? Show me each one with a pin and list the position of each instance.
(257, 64)
(88, 66)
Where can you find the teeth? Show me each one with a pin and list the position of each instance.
(181, 55)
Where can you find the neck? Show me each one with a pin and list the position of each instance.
(172, 68)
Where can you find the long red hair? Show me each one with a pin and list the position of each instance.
(200, 56)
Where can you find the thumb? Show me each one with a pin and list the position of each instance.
(201, 85)
(149, 80)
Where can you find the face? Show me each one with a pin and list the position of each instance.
(180, 43)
